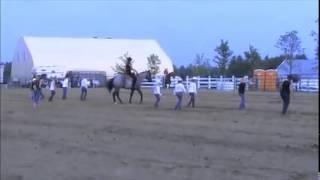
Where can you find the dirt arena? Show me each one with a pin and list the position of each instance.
(99, 140)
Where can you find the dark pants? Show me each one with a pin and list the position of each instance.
(156, 104)
(179, 100)
(286, 100)
(53, 92)
(35, 96)
(242, 101)
(134, 80)
(83, 95)
(191, 101)
(64, 93)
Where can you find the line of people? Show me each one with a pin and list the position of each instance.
(38, 83)
(179, 91)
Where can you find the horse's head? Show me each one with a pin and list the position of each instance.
(145, 75)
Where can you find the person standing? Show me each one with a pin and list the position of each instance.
(52, 88)
(179, 90)
(285, 95)
(157, 93)
(84, 88)
(192, 90)
(241, 91)
(41, 84)
(35, 90)
(65, 84)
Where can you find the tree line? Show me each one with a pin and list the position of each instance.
(228, 64)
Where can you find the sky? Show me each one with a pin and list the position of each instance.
(182, 28)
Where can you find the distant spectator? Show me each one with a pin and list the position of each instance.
(84, 89)
(285, 95)
(241, 91)
(179, 90)
(41, 84)
(157, 93)
(192, 90)
(35, 90)
(65, 84)
(52, 88)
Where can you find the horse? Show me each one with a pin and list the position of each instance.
(167, 80)
(122, 80)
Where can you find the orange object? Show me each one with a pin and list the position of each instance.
(271, 80)
(259, 77)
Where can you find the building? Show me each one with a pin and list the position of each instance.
(304, 68)
(1, 73)
(55, 56)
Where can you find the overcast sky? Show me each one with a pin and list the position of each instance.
(182, 28)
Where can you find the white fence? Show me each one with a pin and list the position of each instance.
(221, 83)
(229, 84)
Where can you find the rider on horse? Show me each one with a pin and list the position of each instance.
(130, 73)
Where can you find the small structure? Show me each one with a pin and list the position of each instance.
(1, 73)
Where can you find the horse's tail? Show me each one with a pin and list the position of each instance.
(110, 85)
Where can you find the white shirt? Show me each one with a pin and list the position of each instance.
(52, 85)
(192, 88)
(179, 88)
(84, 83)
(156, 89)
(65, 82)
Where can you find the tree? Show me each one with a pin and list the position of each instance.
(290, 44)
(272, 62)
(222, 58)
(300, 56)
(201, 66)
(254, 59)
(238, 67)
(120, 68)
(154, 63)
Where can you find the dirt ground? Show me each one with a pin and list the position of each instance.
(96, 139)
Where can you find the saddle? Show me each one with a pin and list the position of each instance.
(127, 81)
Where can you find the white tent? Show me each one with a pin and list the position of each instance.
(60, 55)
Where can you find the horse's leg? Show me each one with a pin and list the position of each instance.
(141, 96)
(131, 94)
(114, 96)
(119, 97)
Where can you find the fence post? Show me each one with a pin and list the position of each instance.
(209, 82)
(234, 83)
(221, 83)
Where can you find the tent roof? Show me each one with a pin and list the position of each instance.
(302, 67)
(93, 53)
